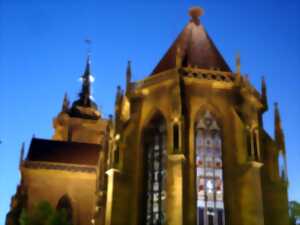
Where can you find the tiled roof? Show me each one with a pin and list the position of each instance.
(196, 49)
(63, 152)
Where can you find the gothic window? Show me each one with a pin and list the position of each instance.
(209, 173)
(249, 146)
(155, 171)
(252, 139)
(65, 205)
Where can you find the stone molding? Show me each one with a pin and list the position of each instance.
(59, 166)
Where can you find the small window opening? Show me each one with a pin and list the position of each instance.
(248, 140)
(255, 142)
(176, 137)
(116, 155)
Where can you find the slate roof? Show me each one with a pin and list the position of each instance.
(63, 152)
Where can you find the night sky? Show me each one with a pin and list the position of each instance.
(42, 55)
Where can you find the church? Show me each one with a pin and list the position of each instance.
(186, 146)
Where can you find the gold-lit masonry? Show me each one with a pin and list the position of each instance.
(186, 146)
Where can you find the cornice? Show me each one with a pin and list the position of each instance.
(59, 166)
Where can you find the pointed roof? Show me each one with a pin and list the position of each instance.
(195, 48)
(86, 84)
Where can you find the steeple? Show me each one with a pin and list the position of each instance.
(85, 107)
(85, 94)
(279, 135)
(264, 97)
(66, 104)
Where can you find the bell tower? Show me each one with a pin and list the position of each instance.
(82, 121)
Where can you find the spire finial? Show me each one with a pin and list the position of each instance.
(128, 73)
(238, 63)
(279, 136)
(264, 97)
(66, 103)
(277, 114)
(195, 12)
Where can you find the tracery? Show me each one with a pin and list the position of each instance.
(209, 173)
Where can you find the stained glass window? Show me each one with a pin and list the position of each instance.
(155, 146)
(209, 179)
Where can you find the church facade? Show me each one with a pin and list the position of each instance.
(186, 146)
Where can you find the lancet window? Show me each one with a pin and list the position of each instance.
(253, 149)
(155, 160)
(209, 172)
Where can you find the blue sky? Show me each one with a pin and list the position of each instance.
(42, 55)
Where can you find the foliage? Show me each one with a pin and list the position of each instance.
(44, 214)
(294, 211)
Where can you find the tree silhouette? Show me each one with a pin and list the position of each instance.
(294, 212)
(44, 214)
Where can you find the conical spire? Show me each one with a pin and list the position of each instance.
(264, 97)
(279, 135)
(66, 104)
(85, 93)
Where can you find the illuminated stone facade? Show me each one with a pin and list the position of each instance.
(186, 146)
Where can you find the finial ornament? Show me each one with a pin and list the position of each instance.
(264, 93)
(128, 72)
(128, 77)
(195, 13)
(279, 135)
(66, 103)
(238, 63)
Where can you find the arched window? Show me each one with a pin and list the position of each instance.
(209, 173)
(64, 204)
(155, 171)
